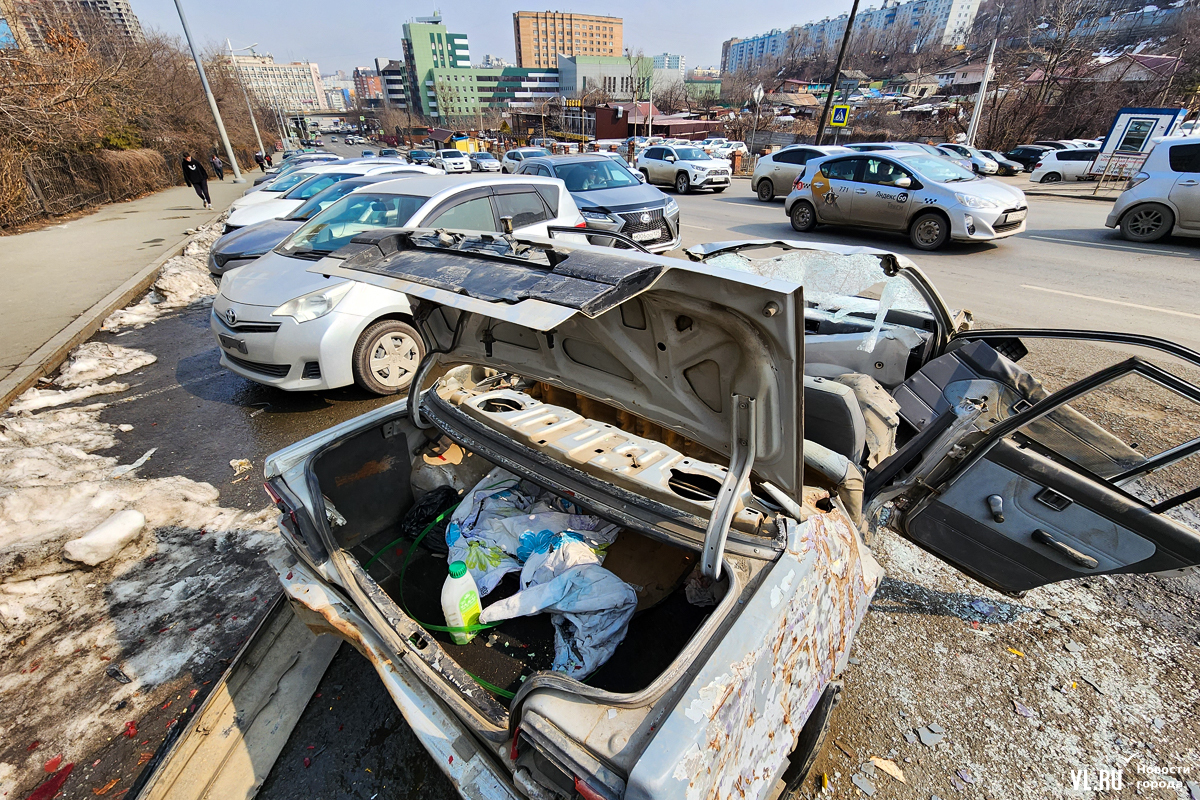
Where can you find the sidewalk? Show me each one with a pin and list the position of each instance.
(58, 280)
(1078, 190)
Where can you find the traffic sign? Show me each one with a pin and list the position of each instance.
(841, 115)
(757, 94)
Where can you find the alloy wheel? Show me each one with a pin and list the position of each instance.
(1146, 221)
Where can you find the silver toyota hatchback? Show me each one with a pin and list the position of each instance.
(1164, 197)
(931, 199)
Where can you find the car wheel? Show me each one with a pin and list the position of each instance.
(766, 190)
(803, 216)
(929, 231)
(1051, 177)
(1147, 223)
(386, 356)
(682, 184)
(646, 175)
(809, 744)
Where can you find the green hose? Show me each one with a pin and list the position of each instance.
(427, 626)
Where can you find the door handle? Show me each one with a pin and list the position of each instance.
(1188, 183)
(860, 191)
(1082, 559)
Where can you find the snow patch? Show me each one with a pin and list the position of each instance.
(92, 362)
(34, 399)
(106, 539)
(184, 280)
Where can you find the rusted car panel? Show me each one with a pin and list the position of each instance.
(732, 732)
(475, 773)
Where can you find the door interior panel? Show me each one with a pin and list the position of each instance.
(1100, 522)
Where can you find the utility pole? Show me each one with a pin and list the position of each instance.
(250, 108)
(837, 73)
(757, 94)
(978, 110)
(212, 101)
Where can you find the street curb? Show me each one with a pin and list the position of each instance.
(1036, 193)
(46, 358)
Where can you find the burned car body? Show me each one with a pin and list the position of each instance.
(740, 422)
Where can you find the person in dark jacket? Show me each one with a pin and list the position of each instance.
(218, 166)
(195, 177)
(262, 162)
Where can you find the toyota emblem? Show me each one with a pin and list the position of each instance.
(231, 315)
(646, 218)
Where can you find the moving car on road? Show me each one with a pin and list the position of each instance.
(513, 158)
(685, 167)
(930, 198)
(279, 325)
(774, 174)
(613, 445)
(613, 198)
(1164, 196)
(451, 161)
(1059, 165)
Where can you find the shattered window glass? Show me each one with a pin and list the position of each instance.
(841, 284)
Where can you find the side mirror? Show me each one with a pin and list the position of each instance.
(903, 182)
(671, 159)
(641, 176)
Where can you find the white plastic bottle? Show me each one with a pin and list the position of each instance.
(460, 601)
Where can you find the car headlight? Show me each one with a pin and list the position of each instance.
(671, 207)
(698, 168)
(314, 305)
(971, 201)
(598, 216)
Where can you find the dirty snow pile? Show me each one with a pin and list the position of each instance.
(101, 569)
(184, 280)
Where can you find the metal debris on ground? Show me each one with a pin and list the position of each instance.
(929, 736)
(117, 675)
(890, 767)
(864, 784)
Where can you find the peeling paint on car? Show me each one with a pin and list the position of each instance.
(743, 712)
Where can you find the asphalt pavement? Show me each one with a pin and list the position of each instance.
(1067, 270)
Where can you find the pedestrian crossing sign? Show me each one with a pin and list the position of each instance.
(841, 115)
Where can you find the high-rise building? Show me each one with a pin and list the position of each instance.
(25, 23)
(541, 36)
(295, 86)
(393, 79)
(670, 61)
(429, 46)
(493, 62)
(368, 88)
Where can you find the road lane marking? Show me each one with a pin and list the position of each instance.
(1112, 302)
(697, 227)
(1149, 250)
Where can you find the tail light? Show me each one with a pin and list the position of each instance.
(581, 224)
(282, 504)
(1038, 165)
(1136, 179)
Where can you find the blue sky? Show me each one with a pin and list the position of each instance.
(342, 34)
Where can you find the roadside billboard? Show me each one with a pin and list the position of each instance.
(1131, 138)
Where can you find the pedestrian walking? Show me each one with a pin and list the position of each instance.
(218, 166)
(195, 177)
(269, 162)
(260, 160)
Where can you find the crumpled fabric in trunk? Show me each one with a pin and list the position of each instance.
(589, 606)
(503, 520)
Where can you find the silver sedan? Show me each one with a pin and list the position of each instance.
(930, 198)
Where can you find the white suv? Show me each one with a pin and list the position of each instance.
(1058, 165)
(684, 167)
(1164, 197)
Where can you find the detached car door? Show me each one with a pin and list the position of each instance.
(1018, 487)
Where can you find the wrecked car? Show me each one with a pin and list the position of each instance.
(717, 437)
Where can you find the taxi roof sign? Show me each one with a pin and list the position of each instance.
(841, 115)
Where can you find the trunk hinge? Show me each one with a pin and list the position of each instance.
(740, 462)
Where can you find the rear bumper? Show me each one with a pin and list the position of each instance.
(474, 772)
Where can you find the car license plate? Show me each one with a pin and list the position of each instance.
(1015, 216)
(230, 343)
(645, 236)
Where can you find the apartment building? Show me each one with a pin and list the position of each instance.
(368, 87)
(25, 23)
(541, 36)
(393, 82)
(672, 62)
(295, 86)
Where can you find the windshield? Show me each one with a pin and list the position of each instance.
(284, 183)
(418, 152)
(534, 153)
(334, 227)
(939, 170)
(485, 156)
(317, 184)
(928, 148)
(320, 202)
(451, 154)
(590, 176)
(692, 154)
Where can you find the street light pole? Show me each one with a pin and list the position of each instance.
(245, 94)
(212, 101)
(978, 110)
(837, 73)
